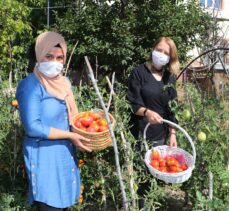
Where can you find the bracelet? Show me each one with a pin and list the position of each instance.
(173, 133)
(144, 113)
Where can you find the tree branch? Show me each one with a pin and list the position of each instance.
(111, 86)
(69, 60)
(91, 75)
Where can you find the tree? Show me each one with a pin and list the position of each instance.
(15, 38)
(120, 35)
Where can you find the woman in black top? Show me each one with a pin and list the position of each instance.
(150, 88)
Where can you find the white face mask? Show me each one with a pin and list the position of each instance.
(159, 59)
(50, 69)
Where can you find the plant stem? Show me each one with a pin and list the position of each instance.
(91, 75)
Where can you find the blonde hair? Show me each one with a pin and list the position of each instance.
(174, 64)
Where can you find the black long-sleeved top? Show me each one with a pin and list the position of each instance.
(145, 91)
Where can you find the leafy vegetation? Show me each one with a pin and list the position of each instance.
(116, 38)
(120, 36)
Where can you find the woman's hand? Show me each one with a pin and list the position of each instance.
(172, 140)
(153, 117)
(79, 141)
(75, 138)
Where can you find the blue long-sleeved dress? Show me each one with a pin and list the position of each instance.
(51, 165)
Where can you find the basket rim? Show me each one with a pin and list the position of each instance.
(177, 127)
(113, 122)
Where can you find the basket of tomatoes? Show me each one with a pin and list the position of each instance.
(170, 164)
(94, 126)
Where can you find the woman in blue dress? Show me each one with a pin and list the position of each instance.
(46, 106)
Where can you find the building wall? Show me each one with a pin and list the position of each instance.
(221, 76)
(222, 16)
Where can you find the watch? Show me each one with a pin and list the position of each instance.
(144, 113)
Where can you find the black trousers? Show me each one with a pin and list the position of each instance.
(44, 207)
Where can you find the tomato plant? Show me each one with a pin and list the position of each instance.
(186, 114)
(208, 115)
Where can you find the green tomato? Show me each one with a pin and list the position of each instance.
(201, 136)
(186, 114)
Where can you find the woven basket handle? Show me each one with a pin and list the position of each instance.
(178, 127)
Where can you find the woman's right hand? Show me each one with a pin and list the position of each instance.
(79, 141)
(153, 117)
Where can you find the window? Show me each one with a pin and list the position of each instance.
(216, 4)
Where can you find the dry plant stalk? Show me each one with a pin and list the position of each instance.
(70, 58)
(130, 169)
(210, 191)
(111, 85)
(91, 75)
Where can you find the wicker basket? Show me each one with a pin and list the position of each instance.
(99, 140)
(164, 150)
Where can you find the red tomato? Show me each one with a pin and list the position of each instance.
(95, 125)
(102, 128)
(173, 169)
(171, 161)
(154, 163)
(162, 169)
(155, 155)
(184, 167)
(91, 129)
(86, 121)
(102, 122)
(179, 169)
(162, 162)
(78, 124)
